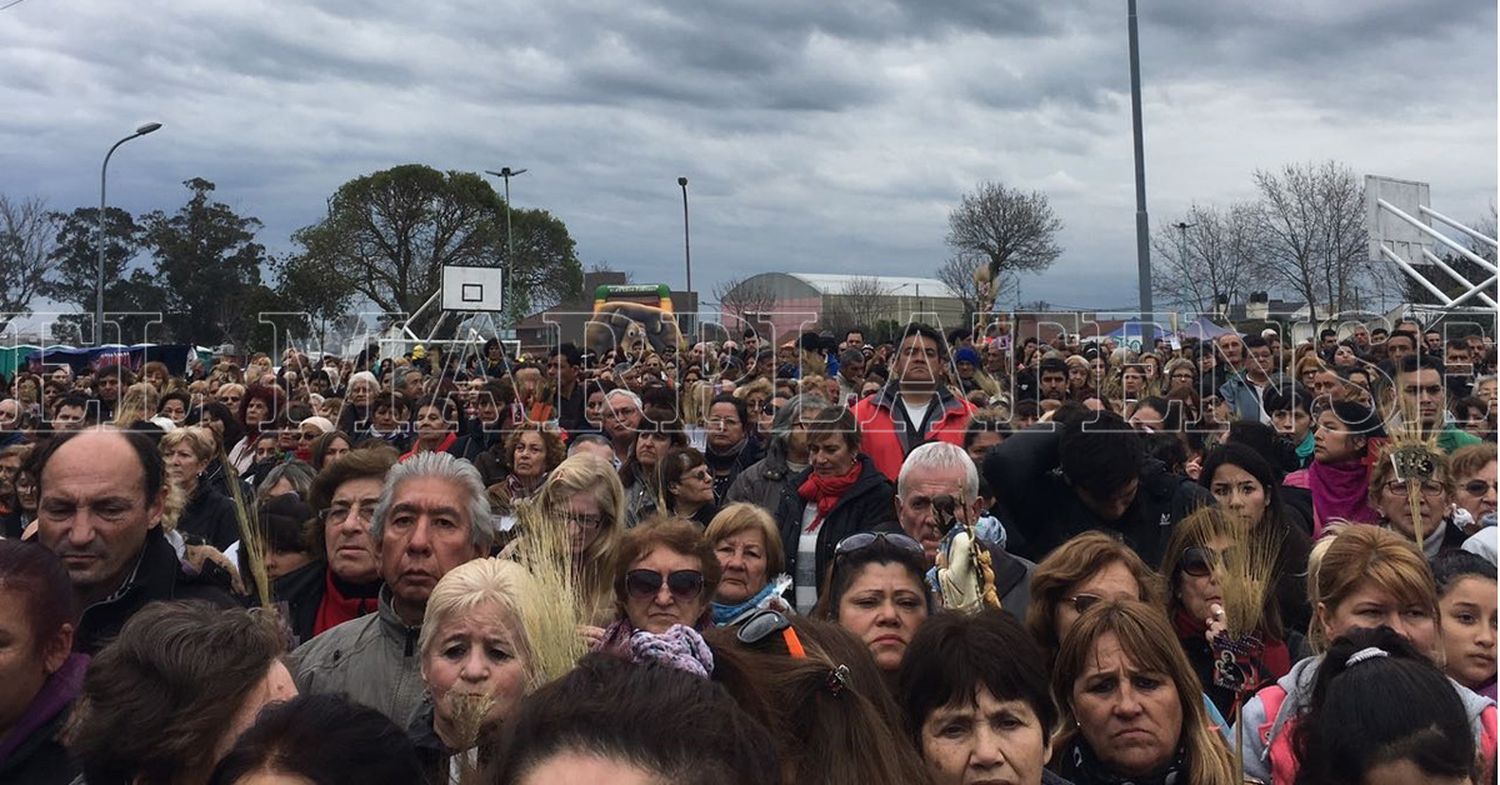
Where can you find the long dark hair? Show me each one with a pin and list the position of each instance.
(1378, 700)
(233, 430)
(326, 739)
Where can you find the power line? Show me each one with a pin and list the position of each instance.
(11, 4)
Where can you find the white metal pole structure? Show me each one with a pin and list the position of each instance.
(99, 277)
(505, 174)
(1142, 224)
(1398, 235)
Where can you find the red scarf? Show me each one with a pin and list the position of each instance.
(826, 491)
(416, 447)
(335, 609)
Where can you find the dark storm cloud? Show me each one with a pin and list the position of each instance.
(823, 135)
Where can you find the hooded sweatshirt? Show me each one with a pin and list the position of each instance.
(1269, 754)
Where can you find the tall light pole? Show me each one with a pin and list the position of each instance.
(505, 174)
(99, 278)
(1142, 225)
(687, 251)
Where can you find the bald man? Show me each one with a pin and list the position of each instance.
(100, 498)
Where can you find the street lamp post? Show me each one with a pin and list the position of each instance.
(1142, 225)
(505, 174)
(687, 251)
(99, 278)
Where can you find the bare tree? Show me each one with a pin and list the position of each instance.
(1205, 253)
(743, 299)
(1311, 220)
(958, 274)
(27, 235)
(1014, 232)
(860, 302)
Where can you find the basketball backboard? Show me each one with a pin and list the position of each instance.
(1386, 227)
(473, 289)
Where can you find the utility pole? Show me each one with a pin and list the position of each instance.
(1142, 224)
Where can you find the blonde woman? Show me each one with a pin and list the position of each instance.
(482, 646)
(208, 517)
(585, 494)
(138, 403)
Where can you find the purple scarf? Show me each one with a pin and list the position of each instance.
(56, 694)
(1340, 490)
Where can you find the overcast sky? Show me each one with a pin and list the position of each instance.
(828, 136)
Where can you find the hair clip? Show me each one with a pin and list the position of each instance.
(1367, 653)
(838, 680)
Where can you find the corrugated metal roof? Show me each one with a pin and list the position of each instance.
(829, 283)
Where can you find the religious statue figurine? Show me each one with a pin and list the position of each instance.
(959, 578)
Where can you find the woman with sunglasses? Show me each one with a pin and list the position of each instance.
(877, 589)
(1080, 573)
(1359, 576)
(665, 576)
(1131, 710)
(1474, 469)
(839, 494)
(1390, 497)
(688, 486)
(1197, 557)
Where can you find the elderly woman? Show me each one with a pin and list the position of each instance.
(478, 662)
(975, 717)
(1474, 472)
(584, 491)
(1390, 496)
(529, 454)
(840, 494)
(435, 424)
(877, 589)
(1082, 572)
(1130, 703)
(308, 431)
(748, 546)
(786, 454)
(1346, 443)
(207, 517)
(665, 576)
(42, 676)
(1364, 576)
(687, 485)
(1205, 547)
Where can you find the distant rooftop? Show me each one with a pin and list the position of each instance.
(830, 283)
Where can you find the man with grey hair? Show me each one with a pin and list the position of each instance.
(851, 375)
(432, 516)
(761, 482)
(937, 470)
(621, 419)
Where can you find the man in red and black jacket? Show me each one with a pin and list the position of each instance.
(915, 407)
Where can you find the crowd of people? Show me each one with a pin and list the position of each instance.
(948, 559)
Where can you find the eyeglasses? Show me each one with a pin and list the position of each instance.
(590, 521)
(645, 584)
(1430, 488)
(337, 515)
(1479, 487)
(858, 542)
(766, 623)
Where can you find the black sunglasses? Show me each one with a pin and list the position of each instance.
(863, 540)
(1199, 561)
(1478, 487)
(766, 623)
(645, 584)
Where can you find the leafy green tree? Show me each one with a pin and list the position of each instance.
(391, 233)
(207, 262)
(75, 258)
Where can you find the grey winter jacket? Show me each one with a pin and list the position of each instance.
(761, 483)
(373, 660)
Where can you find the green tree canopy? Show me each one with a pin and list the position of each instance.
(389, 235)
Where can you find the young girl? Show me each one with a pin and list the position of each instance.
(1466, 605)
